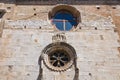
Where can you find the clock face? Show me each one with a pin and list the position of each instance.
(64, 20)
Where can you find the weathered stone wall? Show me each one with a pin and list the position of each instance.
(27, 31)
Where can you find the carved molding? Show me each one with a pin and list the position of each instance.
(59, 37)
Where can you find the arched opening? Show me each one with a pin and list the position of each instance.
(64, 20)
(64, 17)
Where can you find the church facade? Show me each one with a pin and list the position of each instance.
(59, 40)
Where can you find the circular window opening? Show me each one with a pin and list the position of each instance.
(64, 17)
(59, 58)
(64, 20)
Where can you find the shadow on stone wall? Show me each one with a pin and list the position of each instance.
(40, 68)
(52, 2)
(40, 76)
(70, 50)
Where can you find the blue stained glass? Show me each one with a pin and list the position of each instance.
(62, 15)
(68, 26)
(64, 21)
(59, 24)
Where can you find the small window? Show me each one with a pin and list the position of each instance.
(64, 17)
(64, 20)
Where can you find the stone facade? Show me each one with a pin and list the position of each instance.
(25, 31)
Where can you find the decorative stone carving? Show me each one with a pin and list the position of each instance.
(59, 37)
